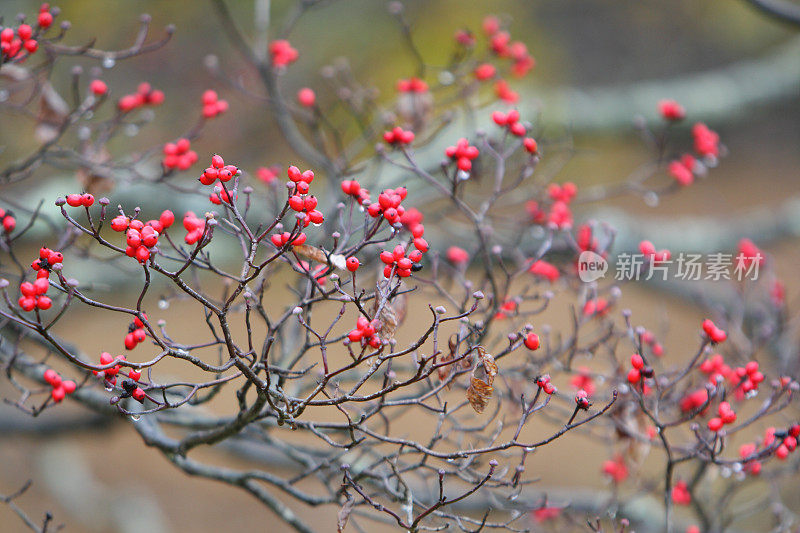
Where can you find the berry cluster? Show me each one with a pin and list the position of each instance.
(194, 226)
(638, 369)
(747, 377)
(8, 220)
(144, 95)
(648, 250)
(716, 369)
(680, 493)
(501, 44)
(354, 189)
(649, 339)
(582, 400)
(282, 239)
(504, 92)
(398, 136)
(508, 309)
(706, 141)
(61, 387)
(583, 380)
(213, 105)
(142, 237)
(302, 180)
(218, 170)
(694, 400)
(511, 121)
(397, 262)
(268, 175)
(789, 443)
(109, 374)
(543, 382)
(12, 43)
(136, 333)
(33, 294)
(463, 154)
(683, 169)
(596, 307)
(388, 205)
(544, 270)
(77, 200)
(282, 53)
(179, 155)
(365, 333)
(671, 110)
(715, 334)
(726, 416)
(412, 85)
(301, 202)
(221, 195)
(616, 469)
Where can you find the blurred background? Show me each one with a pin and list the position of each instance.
(596, 61)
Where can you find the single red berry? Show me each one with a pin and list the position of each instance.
(306, 97)
(98, 87)
(69, 386)
(52, 377)
(134, 374)
(25, 32)
(352, 264)
(532, 341)
(74, 200)
(58, 394)
(138, 394)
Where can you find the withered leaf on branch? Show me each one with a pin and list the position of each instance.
(480, 387)
(344, 513)
(391, 315)
(443, 371)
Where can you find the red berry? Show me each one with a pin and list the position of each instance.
(167, 218)
(120, 223)
(58, 394)
(69, 386)
(134, 374)
(532, 341)
(138, 394)
(637, 362)
(715, 424)
(24, 31)
(52, 377)
(74, 200)
(98, 87)
(44, 303)
(352, 264)
(306, 97)
(634, 376)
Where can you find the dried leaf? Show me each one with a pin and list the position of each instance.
(53, 110)
(479, 393)
(480, 387)
(96, 177)
(344, 513)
